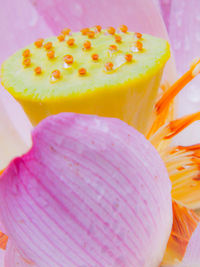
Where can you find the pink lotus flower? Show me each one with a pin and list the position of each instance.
(60, 206)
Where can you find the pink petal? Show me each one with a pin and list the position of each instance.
(20, 25)
(92, 191)
(183, 21)
(192, 255)
(2, 255)
(15, 138)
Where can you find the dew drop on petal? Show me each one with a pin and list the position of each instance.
(119, 60)
(65, 65)
(134, 49)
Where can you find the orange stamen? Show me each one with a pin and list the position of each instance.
(170, 94)
(39, 42)
(185, 222)
(95, 57)
(109, 66)
(50, 54)
(111, 30)
(71, 42)
(85, 31)
(113, 47)
(124, 28)
(68, 59)
(138, 35)
(178, 125)
(129, 57)
(26, 53)
(118, 38)
(139, 45)
(3, 241)
(27, 62)
(91, 34)
(38, 70)
(48, 45)
(61, 37)
(87, 45)
(66, 31)
(82, 71)
(98, 27)
(56, 74)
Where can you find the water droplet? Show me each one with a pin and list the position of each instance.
(53, 79)
(65, 65)
(134, 49)
(119, 61)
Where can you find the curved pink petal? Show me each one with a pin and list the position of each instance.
(15, 128)
(192, 255)
(92, 191)
(20, 25)
(183, 22)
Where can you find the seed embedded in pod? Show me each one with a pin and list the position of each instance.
(27, 62)
(50, 54)
(138, 35)
(66, 31)
(109, 66)
(87, 45)
(68, 59)
(128, 57)
(111, 30)
(123, 28)
(48, 45)
(91, 34)
(71, 41)
(38, 70)
(95, 57)
(113, 48)
(39, 42)
(84, 31)
(139, 45)
(118, 38)
(26, 53)
(98, 27)
(61, 37)
(82, 71)
(55, 75)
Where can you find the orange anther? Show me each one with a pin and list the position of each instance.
(138, 35)
(87, 45)
(109, 66)
(113, 47)
(98, 27)
(95, 56)
(50, 54)
(111, 30)
(118, 38)
(27, 62)
(124, 28)
(61, 37)
(66, 31)
(139, 45)
(82, 71)
(85, 31)
(68, 59)
(39, 43)
(71, 42)
(48, 45)
(38, 70)
(56, 74)
(129, 57)
(91, 34)
(26, 53)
